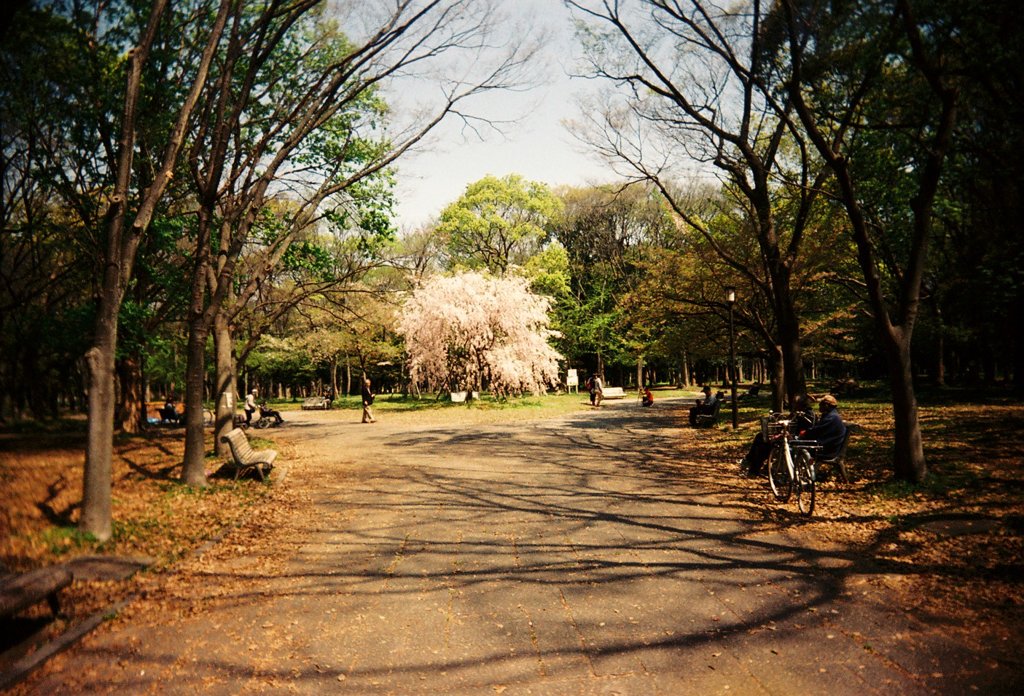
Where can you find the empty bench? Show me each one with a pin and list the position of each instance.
(613, 393)
(22, 590)
(245, 459)
(316, 403)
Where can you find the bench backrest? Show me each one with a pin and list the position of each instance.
(841, 454)
(239, 443)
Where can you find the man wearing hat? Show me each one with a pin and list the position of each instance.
(705, 405)
(829, 431)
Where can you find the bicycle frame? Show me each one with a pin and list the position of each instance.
(786, 470)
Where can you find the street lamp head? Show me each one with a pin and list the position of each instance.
(730, 294)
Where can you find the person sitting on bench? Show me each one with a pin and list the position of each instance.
(169, 413)
(704, 406)
(827, 431)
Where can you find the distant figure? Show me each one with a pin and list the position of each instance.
(250, 406)
(648, 399)
(596, 390)
(329, 397)
(169, 413)
(367, 402)
(703, 406)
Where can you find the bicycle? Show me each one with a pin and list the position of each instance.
(791, 464)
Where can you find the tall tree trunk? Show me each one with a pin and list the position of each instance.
(776, 375)
(194, 469)
(131, 408)
(908, 449)
(96, 516)
(940, 346)
(118, 262)
(789, 343)
(224, 382)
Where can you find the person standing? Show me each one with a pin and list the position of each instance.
(596, 390)
(367, 401)
(250, 406)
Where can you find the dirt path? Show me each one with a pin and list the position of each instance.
(576, 556)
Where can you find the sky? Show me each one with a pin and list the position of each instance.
(537, 146)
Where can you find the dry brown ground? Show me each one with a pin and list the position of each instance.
(952, 549)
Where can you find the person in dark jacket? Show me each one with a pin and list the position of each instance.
(367, 402)
(830, 429)
(801, 419)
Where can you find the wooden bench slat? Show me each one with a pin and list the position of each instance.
(22, 591)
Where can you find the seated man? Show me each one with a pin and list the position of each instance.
(828, 432)
(704, 406)
(169, 413)
(648, 399)
(267, 412)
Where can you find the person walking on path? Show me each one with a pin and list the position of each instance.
(367, 402)
(596, 390)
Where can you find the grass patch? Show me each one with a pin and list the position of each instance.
(63, 540)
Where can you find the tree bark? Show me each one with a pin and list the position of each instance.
(908, 448)
(193, 470)
(224, 383)
(96, 516)
(776, 376)
(131, 408)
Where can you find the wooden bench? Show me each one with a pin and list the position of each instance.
(244, 458)
(838, 462)
(613, 393)
(706, 420)
(22, 590)
(315, 403)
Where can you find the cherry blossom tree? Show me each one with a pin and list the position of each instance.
(471, 330)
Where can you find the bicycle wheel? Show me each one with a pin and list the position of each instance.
(779, 479)
(805, 482)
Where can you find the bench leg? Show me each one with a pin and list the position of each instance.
(54, 601)
(844, 475)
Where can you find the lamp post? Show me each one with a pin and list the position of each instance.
(730, 299)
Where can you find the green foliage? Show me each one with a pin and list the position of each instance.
(548, 271)
(498, 223)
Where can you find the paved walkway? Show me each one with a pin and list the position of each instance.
(569, 557)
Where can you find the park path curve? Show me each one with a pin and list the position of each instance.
(568, 556)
